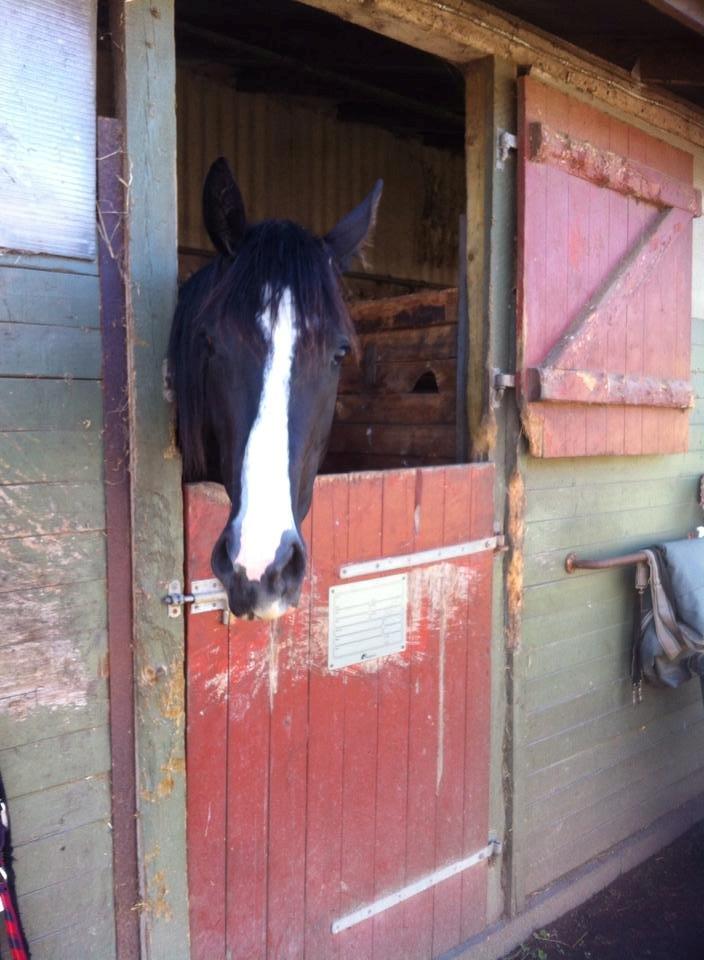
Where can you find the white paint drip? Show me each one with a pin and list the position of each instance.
(274, 648)
(442, 639)
(265, 511)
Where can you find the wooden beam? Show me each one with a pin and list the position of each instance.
(606, 169)
(143, 43)
(595, 386)
(113, 301)
(331, 79)
(690, 13)
(480, 146)
(465, 30)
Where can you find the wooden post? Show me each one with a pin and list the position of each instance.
(143, 42)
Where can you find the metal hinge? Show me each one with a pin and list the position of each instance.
(505, 143)
(500, 383)
(205, 595)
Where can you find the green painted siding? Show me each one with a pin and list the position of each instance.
(54, 742)
(595, 769)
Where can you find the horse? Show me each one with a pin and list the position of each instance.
(256, 345)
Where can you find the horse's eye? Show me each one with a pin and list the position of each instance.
(341, 352)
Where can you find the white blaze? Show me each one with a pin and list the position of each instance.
(265, 510)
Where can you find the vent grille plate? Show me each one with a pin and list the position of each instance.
(367, 620)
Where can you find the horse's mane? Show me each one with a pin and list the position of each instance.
(227, 296)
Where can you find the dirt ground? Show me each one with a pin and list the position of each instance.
(655, 912)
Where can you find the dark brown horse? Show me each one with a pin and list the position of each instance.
(256, 346)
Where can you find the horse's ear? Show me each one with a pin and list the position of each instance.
(349, 237)
(223, 208)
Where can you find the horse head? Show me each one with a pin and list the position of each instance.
(256, 346)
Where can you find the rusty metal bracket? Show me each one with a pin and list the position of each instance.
(573, 562)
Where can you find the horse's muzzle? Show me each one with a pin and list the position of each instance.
(279, 587)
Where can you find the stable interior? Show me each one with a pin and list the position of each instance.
(310, 111)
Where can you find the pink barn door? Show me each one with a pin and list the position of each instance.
(324, 800)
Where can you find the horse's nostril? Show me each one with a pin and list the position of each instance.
(296, 565)
(284, 576)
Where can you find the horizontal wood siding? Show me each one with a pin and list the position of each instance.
(595, 769)
(54, 744)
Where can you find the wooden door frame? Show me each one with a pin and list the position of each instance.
(466, 32)
(145, 90)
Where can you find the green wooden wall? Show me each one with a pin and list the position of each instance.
(590, 768)
(54, 744)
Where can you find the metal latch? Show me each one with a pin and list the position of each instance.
(500, 382)
(504, 144)
(205, 595)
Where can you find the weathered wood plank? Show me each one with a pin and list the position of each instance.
(352, 462)
(576, 594)
(57, 809)
(576, 619)
(405, 440)
(46, 763)
(607, 169)
(560, 653)
(618, 750)
(563, 686)
(60, 721)
(398, 345)
(619, 722)
(146, 81)
(568, 812)
(38, 296)
(595, 471)
(605, 824)
(35, 350)
(62, 857)
(88, 905)
(461, 30)
(581, 710)
(27, 404)
(611, 528)
(44, 456)
(40, 510)
(596, 387)
(50, 614)
(415, 310)
(606, 497)
(46, 561)
(402, 408)
(399, 377)
(53, 647)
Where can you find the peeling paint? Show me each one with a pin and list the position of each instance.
(217, 685)
(442, 642)
(514, 574)
(174, 767)
(36, 673)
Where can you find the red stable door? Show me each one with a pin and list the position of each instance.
(324, 802)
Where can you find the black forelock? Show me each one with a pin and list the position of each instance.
(227, 296)
(275, 256)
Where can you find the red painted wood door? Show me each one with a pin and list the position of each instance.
(604, 281)
(313, 792)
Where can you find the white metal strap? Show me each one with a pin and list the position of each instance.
(424, 883)
(404, 561)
